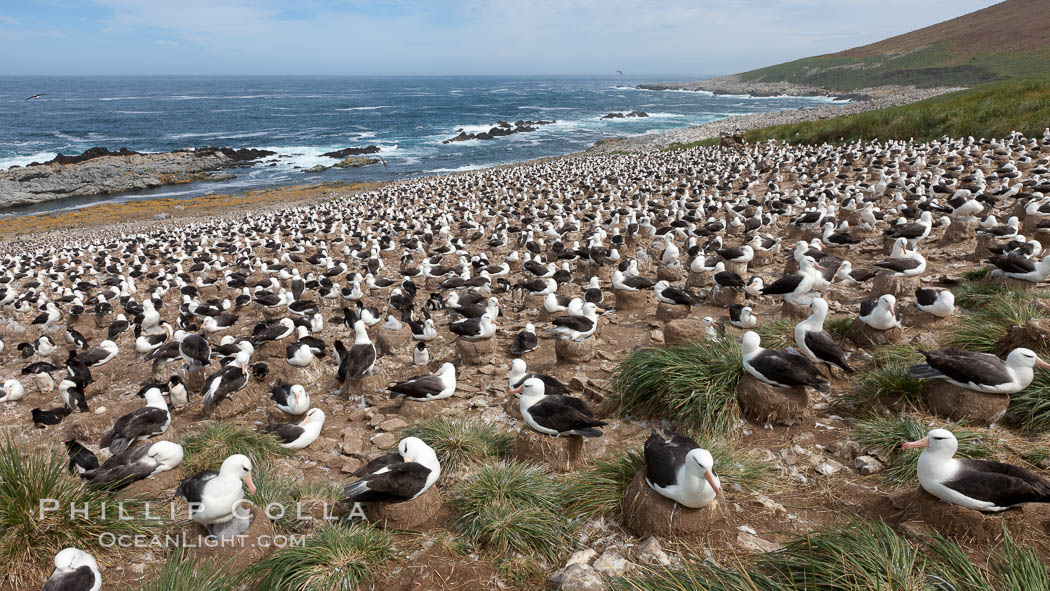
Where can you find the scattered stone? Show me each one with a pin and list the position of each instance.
(612, 564)
(649, 552)
(752, 543)
(393, 424)
(828, 467)
(384, 440)
(578, 577)
(867, 465)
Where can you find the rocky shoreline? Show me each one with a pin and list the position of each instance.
(734, 85)
(870, 99)
(99, 171)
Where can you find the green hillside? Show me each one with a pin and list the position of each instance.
(988, 110)
(1003, 41)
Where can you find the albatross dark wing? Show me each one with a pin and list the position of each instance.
(554, 413)
(969, 367)
(789, 369)
(418, 387)
(192, 489)
(147, 420)
(999, 483)
(826, 349)
(399, 482)
(286, 432)
(663, 456)
(81, 579)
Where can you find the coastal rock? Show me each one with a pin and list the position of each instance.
(501, 129)
(625, 115)
(355, 161)
(342, 154)
(98, 171)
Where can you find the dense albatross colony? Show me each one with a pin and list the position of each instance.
(509, 296)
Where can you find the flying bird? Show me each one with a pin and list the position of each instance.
(620, 72)
(36, 96)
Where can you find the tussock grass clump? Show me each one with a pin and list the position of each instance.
(30, 537)
(995, 308)
(335, 558)
(777, 333)
(181, 573)
(294, 495)
(695, 383)
(886, 383)
(838, 327)
(738, 468)
(984, 329)
(864, 556)
(599, 491)
(890, 433)
(509, 507)
(459, 442)
(1030, 408)
(205, 449)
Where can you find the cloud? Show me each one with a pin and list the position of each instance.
(7, 20)
(689, 37)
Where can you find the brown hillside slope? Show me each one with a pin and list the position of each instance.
(1013, 25)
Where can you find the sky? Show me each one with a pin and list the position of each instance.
(442, 37)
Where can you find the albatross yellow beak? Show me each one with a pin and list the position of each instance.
(1042, 363)
(248, 480)
(924, 442)
(710, 477)
(515, 390)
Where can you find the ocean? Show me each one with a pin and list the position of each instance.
(302, 117)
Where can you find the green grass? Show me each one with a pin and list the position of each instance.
(509, 507)
(599, 490)
(993, 311)
(335, 558)
(777, 333)
(1030, 408)
(693, 383)
(863, 556)
(296, 496)
(885, 383)
(987, 110)
(838, 327)
(30, 537)
(708, 143)
(181, 573)
(938, 64)
(461, 442)
(206, 448)
(860, 556)
(889, 433)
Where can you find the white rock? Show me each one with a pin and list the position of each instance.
(753, 543)
(649, 552)
(867, 465)
(100, 410)
(579, 577)
(582, 557)
(612, 564)
(828, 467)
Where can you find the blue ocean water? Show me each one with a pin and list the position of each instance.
(302, 117)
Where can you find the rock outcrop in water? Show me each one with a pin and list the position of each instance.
(99, 171)
(342, 154)
(625, 115)
(501, 129)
